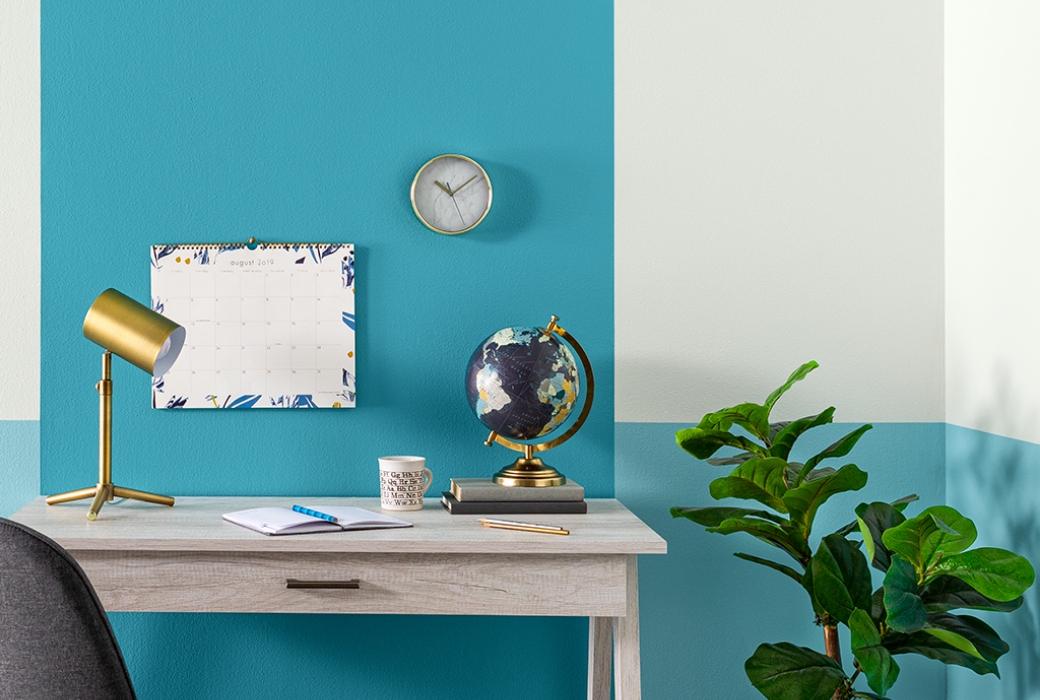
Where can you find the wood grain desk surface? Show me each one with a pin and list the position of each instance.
(194, 524)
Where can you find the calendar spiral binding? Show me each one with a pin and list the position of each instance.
(251, 244)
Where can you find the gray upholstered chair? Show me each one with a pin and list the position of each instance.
(55, 639)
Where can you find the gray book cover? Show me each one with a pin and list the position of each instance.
(486, 490)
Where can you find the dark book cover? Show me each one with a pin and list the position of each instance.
(457, 507)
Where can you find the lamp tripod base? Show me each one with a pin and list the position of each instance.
(104, 492)
(529, 471)
(105, 489)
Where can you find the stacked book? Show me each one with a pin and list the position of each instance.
(485, 497)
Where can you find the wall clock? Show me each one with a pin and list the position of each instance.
(451, 194)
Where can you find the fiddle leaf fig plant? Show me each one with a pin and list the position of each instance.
(928, 569)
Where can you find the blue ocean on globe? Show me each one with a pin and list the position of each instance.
(522, 382)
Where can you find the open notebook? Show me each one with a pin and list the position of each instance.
(285, 521)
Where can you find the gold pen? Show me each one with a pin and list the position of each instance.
(523, 527)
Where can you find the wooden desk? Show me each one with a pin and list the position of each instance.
(147, 558)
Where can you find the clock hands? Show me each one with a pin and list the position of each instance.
(457, 189)
(451, 193)
(457, 207)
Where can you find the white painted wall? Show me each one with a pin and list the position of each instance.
(993, 216)
(779, 198)
(20, 210)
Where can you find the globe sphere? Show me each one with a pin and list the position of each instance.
(522, 382)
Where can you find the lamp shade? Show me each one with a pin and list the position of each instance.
(134, 332)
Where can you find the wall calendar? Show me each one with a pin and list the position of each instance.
(267, 325)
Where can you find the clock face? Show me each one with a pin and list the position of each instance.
(451, 194)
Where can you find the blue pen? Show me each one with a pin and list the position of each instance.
(316, 514)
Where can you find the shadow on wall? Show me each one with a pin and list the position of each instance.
(995, 481)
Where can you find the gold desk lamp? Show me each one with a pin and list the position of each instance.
(144, 338)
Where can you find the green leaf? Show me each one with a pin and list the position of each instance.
(877, 606)
(899, 505)
(868, 539)
(788, 539)
(785, 570)
(910, 539)
(810, 588)
(877, 663)
(943, 527)
(793, 470)
(925, 539)
(838, 449)
(796, 376)
(934, 648)
(949, 593)
(787, 672)
(774, 430)
(954, 640)
(731, 461)
(956, 533)
(816, 474)
(840, 578)
(874, 519)
(905, 608)
(967, 633)
(758, 479)
(803, 502)
(713, 516)
(993, 572)
(703, 443)
(783, 440)
(749, 416)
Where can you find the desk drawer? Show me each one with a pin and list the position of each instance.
(439, 584)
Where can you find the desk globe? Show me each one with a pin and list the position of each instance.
(523, 384)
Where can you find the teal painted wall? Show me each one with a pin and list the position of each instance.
(363, 657)
(299, 121)
(20, 466)
(703, 611)
(995, 481)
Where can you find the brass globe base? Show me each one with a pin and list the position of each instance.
(529, 471)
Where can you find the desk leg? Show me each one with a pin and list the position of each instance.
(600, 631)
(626, 640)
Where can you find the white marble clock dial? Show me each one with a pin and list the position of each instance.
(451, 194)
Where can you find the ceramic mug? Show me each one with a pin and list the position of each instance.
(402, 482)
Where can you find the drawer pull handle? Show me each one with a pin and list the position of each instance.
(297, 583)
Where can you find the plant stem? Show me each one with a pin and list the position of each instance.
(830, 642)
(833, 649)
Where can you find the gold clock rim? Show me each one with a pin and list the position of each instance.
(415, 181)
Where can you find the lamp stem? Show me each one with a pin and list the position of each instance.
(104, 487)
(104, 388)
